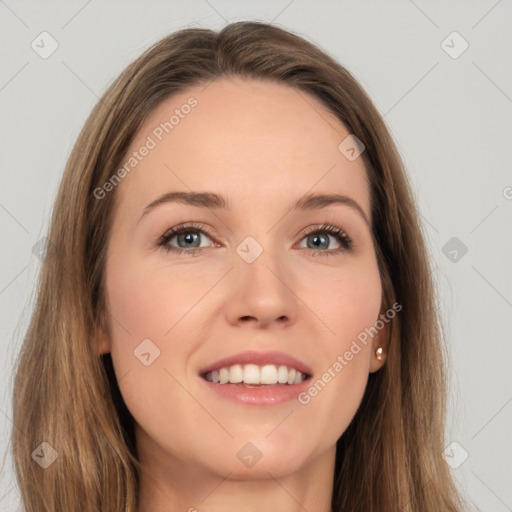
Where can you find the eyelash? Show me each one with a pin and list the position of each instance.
(163, 242)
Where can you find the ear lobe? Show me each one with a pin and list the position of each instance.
(101, 342)
(381, 340)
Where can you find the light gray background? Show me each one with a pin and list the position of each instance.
(451, 118)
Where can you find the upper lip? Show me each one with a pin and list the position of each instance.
(259, 358)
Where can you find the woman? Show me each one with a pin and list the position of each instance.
(236, 309)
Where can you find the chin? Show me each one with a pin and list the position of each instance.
(247, 460)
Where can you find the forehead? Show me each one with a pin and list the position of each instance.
(253, 141)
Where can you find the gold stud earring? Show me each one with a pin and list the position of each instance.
(378, 353)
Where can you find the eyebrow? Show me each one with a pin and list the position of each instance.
(217, 201)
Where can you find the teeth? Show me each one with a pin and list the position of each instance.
(282, 375)
(236, 374)
(268, 374)
(251, 374)
(223, 375)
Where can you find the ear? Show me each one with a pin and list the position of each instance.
(380, 340)
(101, 341)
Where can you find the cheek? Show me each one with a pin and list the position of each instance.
(335, 392)
(346, 301)
(348, 306)
(154, 315)
(151, 302)
(148, 325)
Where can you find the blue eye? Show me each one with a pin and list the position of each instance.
(319, 239)
(188, 236)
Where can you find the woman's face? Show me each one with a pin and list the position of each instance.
(255, 280)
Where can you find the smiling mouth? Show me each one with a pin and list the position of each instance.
(256, 376)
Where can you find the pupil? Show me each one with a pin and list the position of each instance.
(319, 237)
(190, 238)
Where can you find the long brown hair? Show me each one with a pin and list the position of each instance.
(65, 394)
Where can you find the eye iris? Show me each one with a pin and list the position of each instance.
(317, 237)
(189, 237)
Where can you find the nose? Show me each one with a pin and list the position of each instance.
(261, 293)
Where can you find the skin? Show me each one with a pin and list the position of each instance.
(258, 143)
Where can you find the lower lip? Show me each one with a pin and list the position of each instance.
(258, 395)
